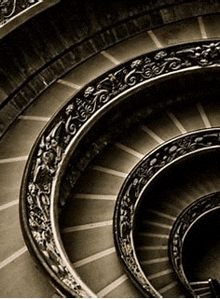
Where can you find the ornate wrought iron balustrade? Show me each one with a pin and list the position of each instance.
(186, 220)
(15, 12)
(49, 157)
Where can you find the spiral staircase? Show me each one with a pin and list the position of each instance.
(115, 158)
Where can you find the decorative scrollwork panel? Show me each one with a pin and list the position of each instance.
(134, 187)
(69, 126)
(11, 8)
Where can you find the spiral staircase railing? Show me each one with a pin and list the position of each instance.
(39, 203)
(193, 213)
(132, 194)
(13, 13)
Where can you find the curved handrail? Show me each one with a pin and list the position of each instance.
(134, 187)
(13, 13)
(50, 154)
(182, 226)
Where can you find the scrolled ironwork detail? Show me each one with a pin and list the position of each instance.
(183, 224)
(132, 192)
(51, 150)
(11, 8)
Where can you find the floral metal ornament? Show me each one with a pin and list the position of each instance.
(132, 191)
(68, 127)
(183, 224)
(11, 8)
